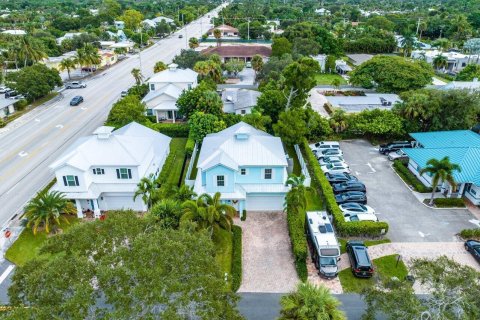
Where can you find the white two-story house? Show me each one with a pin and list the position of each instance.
(101, 172)
(165, 88)
(248, 167)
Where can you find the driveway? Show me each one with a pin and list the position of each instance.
(267, 261)
(409, 220)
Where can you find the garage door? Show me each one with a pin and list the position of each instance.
(121, 202)
(265, 203)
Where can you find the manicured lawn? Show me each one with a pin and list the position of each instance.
(27, 245)
(368, 243)
(193, 174)
(172, 169)
(314, 202)
(442, 78)
(385, 267)
(223, 245)
(327, 78)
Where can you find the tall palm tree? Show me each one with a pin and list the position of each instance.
(338, 120)
(46, 209)
(218, 35)
(296, 197)
(67, 64)
(92, 57)
(30, 50)
(310, 302)
(408, 43)
(440, 171)
(167, 212)
(440, 62)
(208, 212)
(146, 188)
(137, 75)
(184, 193)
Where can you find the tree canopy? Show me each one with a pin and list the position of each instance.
(35, 81)
(126, 110)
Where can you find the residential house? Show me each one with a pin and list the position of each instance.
(461, 147)
(247, 166)
(107, 58)
(461, 85)
(241, 52)
(15, 32)
(68, 36)
(322, 12)
(227, 31)
(165, 88)
(54, 62)
(455, 61)
(369, 101)
(119, 25)
(6, 107)
(359, 58)
(321, 59)
(119, 36)
(152, 23)
(342, 67)
(239, 101)
(101, 172)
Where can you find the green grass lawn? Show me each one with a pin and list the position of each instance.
(368, 243)
(223, 246)
(27, 245)
(314, 202)
(193, 174)
(385, 267)
(327, 78)
(442, 78)
(171, 174)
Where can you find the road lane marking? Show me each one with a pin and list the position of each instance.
(475, 222)
(6, 273)
(59, 126)
(371, 168)
(423, 235)
(23, 154)
(37, 120)
(84, 108)
(357, 173)
(11, 189)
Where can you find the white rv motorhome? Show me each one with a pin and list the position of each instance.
(323, 244)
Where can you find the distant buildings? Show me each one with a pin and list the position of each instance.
(15, 32)
(152, 23)
(455, 61)
(460, 85)
(120, 25)
(227, 31)
(68, 36)
(241, 52)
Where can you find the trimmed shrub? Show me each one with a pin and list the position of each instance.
(244, 215)
(298, 238)
(173, 130)
(20, 104)
(449, 202)
(3, 123)
(190, 145)
(236, 258)
(409, 177)
(470, 234)
(343, 228)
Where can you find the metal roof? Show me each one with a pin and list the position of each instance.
(447, 139)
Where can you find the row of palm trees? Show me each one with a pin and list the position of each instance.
(87, 56)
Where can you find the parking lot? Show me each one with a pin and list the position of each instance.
(409, 220)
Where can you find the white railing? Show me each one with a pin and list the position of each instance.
(189, 182)
(303, 165)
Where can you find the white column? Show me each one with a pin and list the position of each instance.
(460, 190)
(79, 208)
(173, 113)
(96, 210)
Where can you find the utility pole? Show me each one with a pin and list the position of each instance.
(248, 29)
(140, 52)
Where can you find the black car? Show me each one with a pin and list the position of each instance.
(360, 262)
(473, 247)
(394, 146)
(339, 177)
(10, 93)
(349, 186)
(351, 196)
(76, 100)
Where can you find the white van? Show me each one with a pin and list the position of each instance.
(323, 145)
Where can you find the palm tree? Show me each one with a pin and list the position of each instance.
(30, 50)
(193, 43)
(46, 209)
(408, 43)
(440, 62)
(137, 75)
(218, 35)
(310, 302)
(296, 197)
(167, 212)
(159, 66)
(257, 63)
(338, 120)
(184, 193)
(441, 171)
(208, 212)
(146, 188)
(67, 64)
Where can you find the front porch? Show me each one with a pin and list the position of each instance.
(168, 116)
(87, 208)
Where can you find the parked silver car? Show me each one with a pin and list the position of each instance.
(397, 155)
(75, 85)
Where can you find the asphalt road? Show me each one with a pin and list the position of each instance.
(29, 146)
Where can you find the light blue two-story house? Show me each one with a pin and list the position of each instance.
(248, 166)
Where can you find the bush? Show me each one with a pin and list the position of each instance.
(296, 229)
(470, 234)
(190, 146)
(173, 130)
(3, 123)
(449, 202)
(236, 258)
(244, 215)
(343, 228)
(20, 104)
(409, 177)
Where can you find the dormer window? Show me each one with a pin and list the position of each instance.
(70, 181)
(98, 171)
(220, 181)
(124, 173)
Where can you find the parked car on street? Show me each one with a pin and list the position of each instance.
(397, 155)
(335, 168)
(339, 177)
(10, 93)
(124, 93)
(473, 247)
(360, 217)
(76, 100)
(75, 85)
(394, 146)
(351, 196)
(17, 97)
(360, 262)
(354, 208)
(328, 152)
(89, 69)
(333, 160)
(4, 89)
(349, 186)
(180, 36)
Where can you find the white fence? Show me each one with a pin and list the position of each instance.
(303, 165)
(189, 182)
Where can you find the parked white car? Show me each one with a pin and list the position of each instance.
(335, 168)
(4, 89)
(355, 208)
(397, 155)
(333, 160)
(328, 153)
(322, 145)
(360, 217)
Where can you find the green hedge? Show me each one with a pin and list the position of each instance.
(236, 258)
(189, 146)
(449, 202)
(409, 177)
(173, 130)
(296, 229)
(470, 234)
(244, 215)
(343, 228)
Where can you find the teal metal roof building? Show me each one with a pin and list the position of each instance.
(447, 139)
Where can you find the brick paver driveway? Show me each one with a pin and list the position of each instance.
(268, 264)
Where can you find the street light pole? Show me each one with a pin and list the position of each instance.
(140, 52)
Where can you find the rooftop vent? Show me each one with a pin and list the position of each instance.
(103, 132)
(173, 67)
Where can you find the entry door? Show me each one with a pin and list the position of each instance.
(170, 114)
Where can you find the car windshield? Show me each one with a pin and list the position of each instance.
(477, 249)
(399, 152)
(354, 218)
(328, 261)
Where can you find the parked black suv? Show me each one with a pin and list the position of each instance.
(351, 196)
(349, 186)
(394, 146)
(76, 100)
(339, 177)
(360, 262)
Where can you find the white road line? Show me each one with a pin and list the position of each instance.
(373, 170)
(475, 222)
(11, 189)
(59, 126)
(423, 235)
(83, 108)
(23, 154)
(6, 273)
(37, 120)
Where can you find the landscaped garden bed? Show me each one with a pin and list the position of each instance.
(409, 178)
